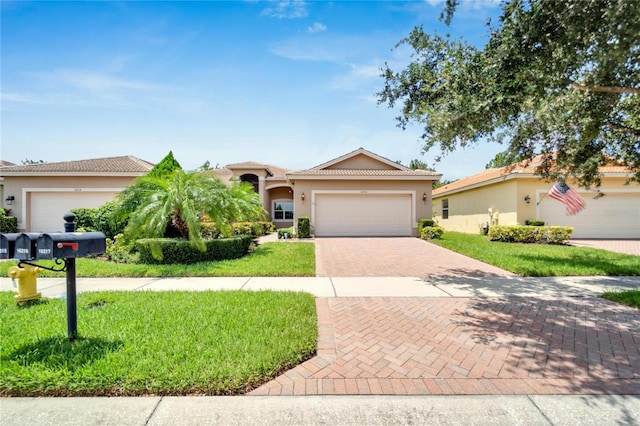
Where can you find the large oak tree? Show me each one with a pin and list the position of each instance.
(557, 77)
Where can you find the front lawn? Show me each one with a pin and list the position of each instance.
(154, 343)
(541, 260)
(629, 298)
(275, 259)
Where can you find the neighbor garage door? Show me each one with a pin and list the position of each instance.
(47, 208)
(611, 216)
(362, 215)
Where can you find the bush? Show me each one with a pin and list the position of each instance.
(534, 222)
(304, 227)
(8, 224)
(530, 234)
(558, 234)
(119, 252)
(242, 228)
(182, 251)
(285, 233)
(425, 222)
(105, 222)
(431, 232)
(85, 218)
(268, 227)
(209, 230)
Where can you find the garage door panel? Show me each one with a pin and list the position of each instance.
(48, 208)
(363, 215)
(611, 216)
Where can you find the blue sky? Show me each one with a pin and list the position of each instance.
(289, 83)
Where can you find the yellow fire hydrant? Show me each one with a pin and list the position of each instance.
(27, 284)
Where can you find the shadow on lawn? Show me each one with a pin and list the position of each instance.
(581, 345)
(59, 352)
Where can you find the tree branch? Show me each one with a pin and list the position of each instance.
(628, 90)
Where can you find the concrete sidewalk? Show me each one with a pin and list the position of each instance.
(327, 410)
(444, 286)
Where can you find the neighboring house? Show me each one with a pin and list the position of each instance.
(357, 194)
(504, 196)
(40, 194)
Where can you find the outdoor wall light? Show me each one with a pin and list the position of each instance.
(527, 199)
(302, 196)
(10, 199)
(424, 197)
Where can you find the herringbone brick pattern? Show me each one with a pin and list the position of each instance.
(398, 346)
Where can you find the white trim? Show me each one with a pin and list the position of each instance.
(302, 176)
(315, 192)
(289, 200)
(23, 207)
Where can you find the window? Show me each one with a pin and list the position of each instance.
(253, 180)
(445, 208)
(283, 210)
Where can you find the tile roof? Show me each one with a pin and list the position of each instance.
(525, 168)
(278, 172)
(110, 165)
(357, 152)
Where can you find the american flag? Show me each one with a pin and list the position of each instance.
(570, 198)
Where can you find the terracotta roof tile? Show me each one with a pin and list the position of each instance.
(125, 164)
(525, 168)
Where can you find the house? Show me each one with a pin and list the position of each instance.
(357, 194)
(40, 194)
(510, 196)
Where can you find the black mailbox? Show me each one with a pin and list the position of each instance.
(8, 245)
(25, 246)
(64, 245)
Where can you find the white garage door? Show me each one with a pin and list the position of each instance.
(611, 216)
(47, 208)
(359, 215)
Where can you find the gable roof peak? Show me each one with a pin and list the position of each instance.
(361, 151)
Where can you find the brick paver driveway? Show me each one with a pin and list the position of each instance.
(394, 257)
(396, 346)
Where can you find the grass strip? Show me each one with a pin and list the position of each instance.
(274, 259)
(541, 260)
(154, 343)
(629, 298)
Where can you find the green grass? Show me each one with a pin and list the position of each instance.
(154, 343)
(630, 297)
(275, 259)
(540, 260)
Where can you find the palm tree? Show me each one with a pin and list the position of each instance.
(180, 198)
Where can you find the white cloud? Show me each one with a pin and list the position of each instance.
(316, 28)
(98, 82)
(287, 9)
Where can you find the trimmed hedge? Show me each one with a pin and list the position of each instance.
(425, 222)
(8, 224)
(530, 234)
(182, 251)
(304, 227)
(288, 232)
(431, 232)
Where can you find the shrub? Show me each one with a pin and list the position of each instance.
(534, 222)
(182, 251)
(85, 218)
(530, 234)
(425, 222)
(209, 230)
(284, 233)
(119, 252)
(8, 224)
(431, 232)
(558, 234)
(242, 228)
(304, 227)
(268, 227)
(105, 221)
